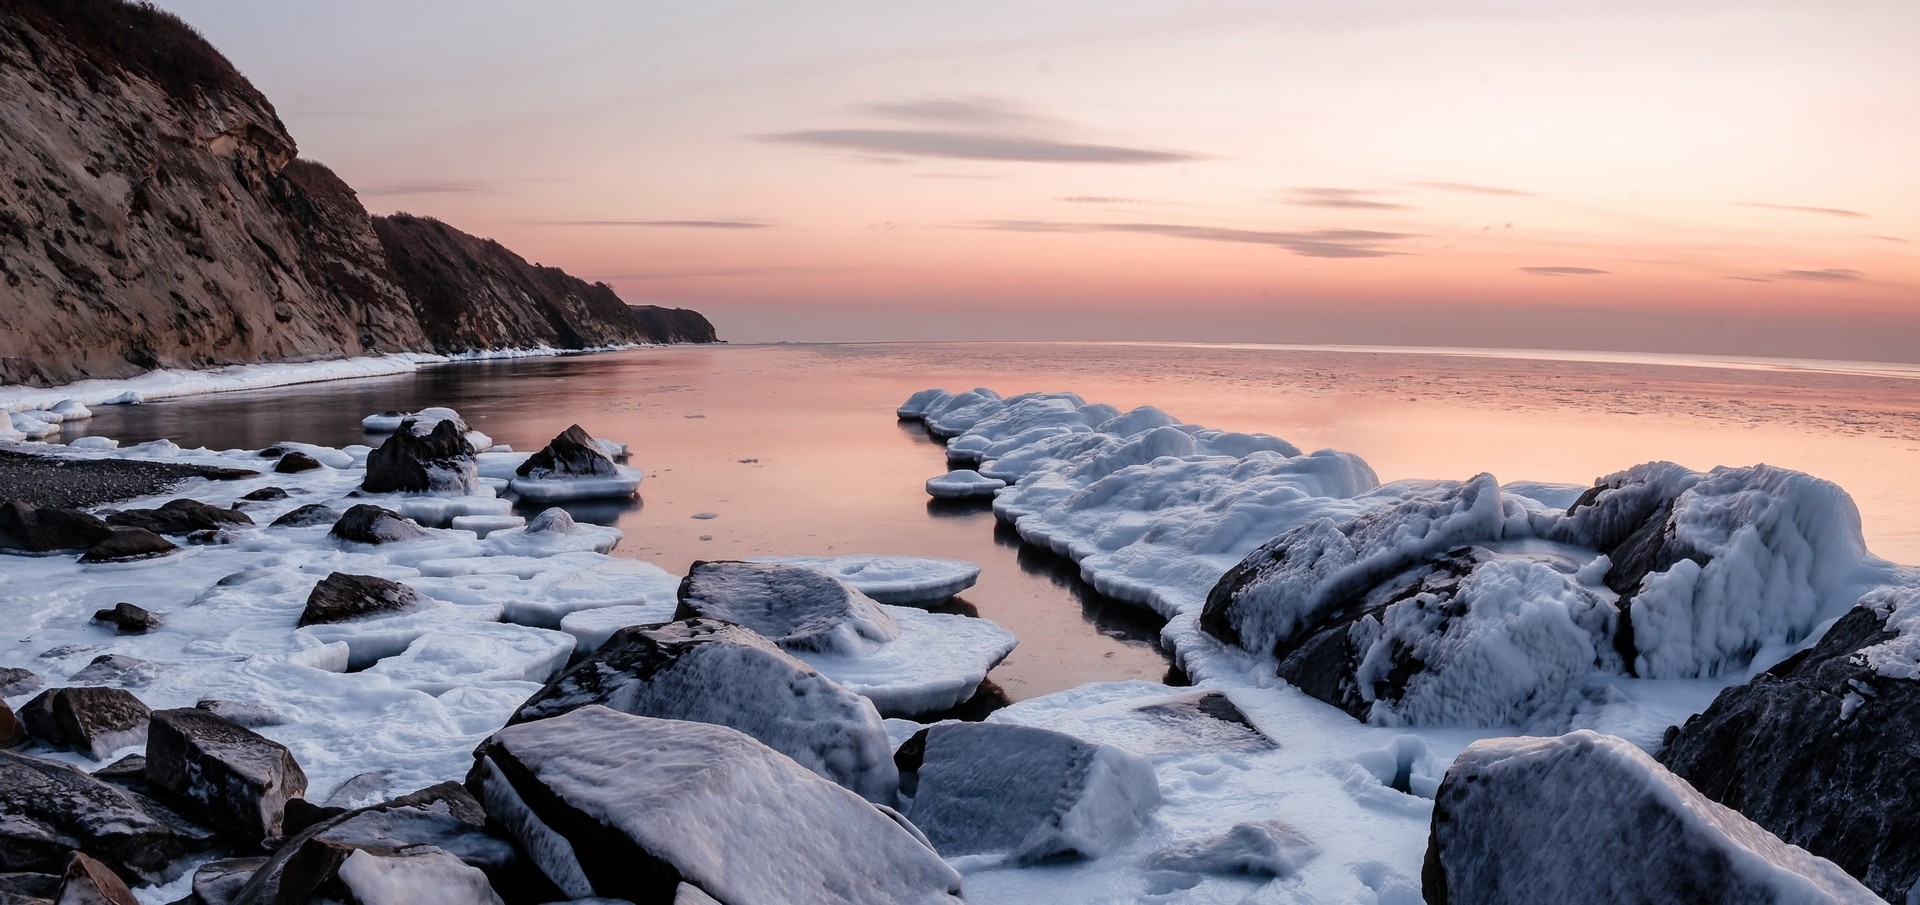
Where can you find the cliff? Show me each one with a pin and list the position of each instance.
(153, 213)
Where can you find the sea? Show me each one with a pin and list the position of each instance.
(789, 449)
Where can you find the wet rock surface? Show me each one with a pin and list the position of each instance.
(53, 810)
(128, 619)
(128, 545)
(366, 523)
(341, 597)
(238, 780)
(180, 517)
(91, 720)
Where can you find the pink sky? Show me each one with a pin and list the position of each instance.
(1671, 176)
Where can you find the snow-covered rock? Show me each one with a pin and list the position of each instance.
(425, 455)
(1031, 794)
(897, 580)
(725, 674)
(1263, 848)
(622, 806)
(366, 523)
(798, 608)
(572, 466)
(1588, 818)
(934, 662)
(341, 597)
(963, 484)
(239, 780)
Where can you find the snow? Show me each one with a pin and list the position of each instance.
(450, 658)
(936, 661)
(899, 580)
(1897, 657)
(963, 484)
(591, 628)
(546, 491)
(798, 608)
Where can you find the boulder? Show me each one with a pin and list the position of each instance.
(52, 810)
(128, 619)
(1822, 749)
(308, 516)
(1587, 818)
(16, 681)
(91, 720)
(620, 806)
(128, 545)
(324, 869)
(179, 517)
(795, 607)
(219, 882)
(574, 453)
(117, 669)
(725, 674)
(370, 524)
(28, 888)
(12, 734)
(341, 597)
(436, 460)
(264, 495)
(250, 715)
(239, 780)
(46, 528)
(88, 882)
(1034, 794)
(296, 462)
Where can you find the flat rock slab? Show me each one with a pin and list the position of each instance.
(91, 720)
(630, 807)
(1030, 793)
(53, 810)
(239, 780)
(1587, 818)
(725, 674)
(794, 607)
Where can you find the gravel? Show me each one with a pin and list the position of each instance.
(51, 480)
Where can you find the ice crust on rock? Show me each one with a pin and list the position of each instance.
(897, 580)
(727, 675)
(1589, 818)
(935, 662)
(798, 608)
(614, 805)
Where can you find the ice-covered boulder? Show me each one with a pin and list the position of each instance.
(239, 780)
(935, 662)
(92, 720)
(45, 529)
(963, 484)
(17, 681)
(622, 806)
(366, 523)
(117, 669)
(1822, 748)
(798, 608)
(725, 674)
(424, 456)
(181, 516)
(128, 545)
(898, 580)
(341, 597)
(445, 658)
(51, 810)
(381, 875)
(572, 454)
(1587, 818)
(1265, 848)
(1029, 793)
(307, 516)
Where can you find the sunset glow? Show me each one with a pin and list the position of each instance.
(1673, 176)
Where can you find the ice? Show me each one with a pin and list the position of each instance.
(798, 608)
(482, 525)
(963, 484)
(93, 442)
(536, 540)
(899, 580)
(591, 628)
(325, 455)
(1897, 657)
(449, 658)
(935, 662)
(546, 491)
(31, 428)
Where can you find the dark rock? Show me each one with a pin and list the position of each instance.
(179, 517)
(325, 869)
(91, 720)
(1587, 818)
(17, 681)
(795, 607)
(46, 529)
(340, 597)
(621, 806)
(88, 882)
(128, 619)
(438, 461)
(265, 494)
(307, 516)
(220, 882)
(725, 674)
(1036, 794)
(571, 454)
(1822, 750)
(28, 888)
(118, 669)
(12, 734)
(240, 780)
(366, 523)
(296, 462)
(128, 545)
(53, 809)
(129, 772)
(252, 716)
(673, 325)
(302, 813)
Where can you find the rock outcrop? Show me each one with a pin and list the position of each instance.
(153, 213)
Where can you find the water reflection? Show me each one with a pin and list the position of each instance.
(598, 512)
(939, 508)
(1116, 619)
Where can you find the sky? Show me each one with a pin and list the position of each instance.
(1713, 177)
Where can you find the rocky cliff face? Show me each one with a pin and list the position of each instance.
(153, 214)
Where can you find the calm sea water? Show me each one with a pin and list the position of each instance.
(794, 449)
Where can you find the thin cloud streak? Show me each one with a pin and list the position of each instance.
(1563, 271)
(975, 146)
(1829, 275)
(662, 224)
(1471, 189)
(1104, 199)
(1801, 209)
(1357, 199)
(427, 187)
(695, 273)
(1324, 243)
(978, 111)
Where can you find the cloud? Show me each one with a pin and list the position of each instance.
(1324, 243)
(1829, 275)
(977, 111)
(1890, 239)
(1751, 279)
(691, 273)
(663, 224)
(1103, 199)
(428, 187)
(975, 146)
(1825, 211)
(1359, 199)
(1471, 189)
(1562, 271)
